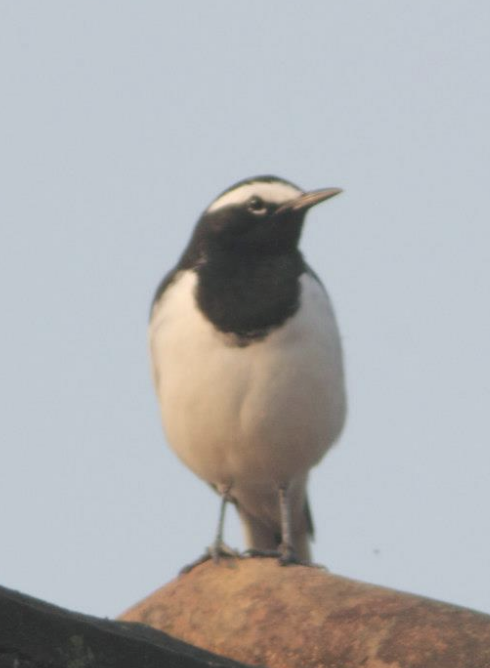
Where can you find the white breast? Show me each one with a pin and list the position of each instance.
(260, 414)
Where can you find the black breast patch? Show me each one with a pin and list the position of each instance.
(247, 297)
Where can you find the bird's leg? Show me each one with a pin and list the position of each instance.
(285, 552)
(286, 548)
(217, 549)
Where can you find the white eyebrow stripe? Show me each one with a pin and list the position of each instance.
(276, 192)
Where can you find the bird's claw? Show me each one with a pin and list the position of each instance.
(253, 553)
(288, 556)
(215, 552)
(285, 555)
(221, 550)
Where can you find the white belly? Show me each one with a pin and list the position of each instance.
(256, 415)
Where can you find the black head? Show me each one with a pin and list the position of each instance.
(264, 214)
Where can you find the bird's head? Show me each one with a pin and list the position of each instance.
(264, 214)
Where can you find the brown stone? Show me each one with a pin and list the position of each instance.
(260, 613)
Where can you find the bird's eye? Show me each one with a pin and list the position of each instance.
(256, 205)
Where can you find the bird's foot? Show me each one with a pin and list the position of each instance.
(215, 552)
(220, 550)
(288, 557)
(285, 555)
(254, 552)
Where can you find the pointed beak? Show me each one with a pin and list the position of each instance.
(307, 200)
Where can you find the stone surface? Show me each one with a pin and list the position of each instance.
(257, 612)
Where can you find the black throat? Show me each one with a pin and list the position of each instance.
(246, 294)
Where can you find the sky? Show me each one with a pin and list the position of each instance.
(119, 123)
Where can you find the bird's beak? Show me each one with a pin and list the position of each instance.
(307, 200)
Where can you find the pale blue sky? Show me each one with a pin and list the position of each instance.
(119, 122)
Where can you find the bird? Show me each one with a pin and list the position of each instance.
(247, 363)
